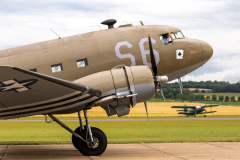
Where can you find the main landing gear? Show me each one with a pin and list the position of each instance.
(90, 141)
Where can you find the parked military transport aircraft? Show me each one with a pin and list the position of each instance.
(76, 73)
(195, 110)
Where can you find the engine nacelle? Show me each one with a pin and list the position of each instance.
(121, 87)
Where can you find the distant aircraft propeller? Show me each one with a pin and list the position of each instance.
(202, 109)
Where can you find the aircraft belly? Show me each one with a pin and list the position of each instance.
(179, 73)
(196, 66)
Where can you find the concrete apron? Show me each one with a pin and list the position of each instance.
(166, 151)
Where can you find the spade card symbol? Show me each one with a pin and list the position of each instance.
(179, 54)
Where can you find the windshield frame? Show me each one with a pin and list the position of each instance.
(176, 36)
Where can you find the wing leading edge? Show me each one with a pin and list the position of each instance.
(212, 105)
(25, 93)
(184, 107)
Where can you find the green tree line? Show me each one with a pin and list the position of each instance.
(174, 94)
(215, 86)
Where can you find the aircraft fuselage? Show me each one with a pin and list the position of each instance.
(92, 52)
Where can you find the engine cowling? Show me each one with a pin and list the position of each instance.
(121, 87)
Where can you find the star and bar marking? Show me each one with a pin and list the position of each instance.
(17, 86)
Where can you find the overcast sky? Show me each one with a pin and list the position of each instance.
(216, 22)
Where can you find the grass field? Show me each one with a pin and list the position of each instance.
(129, 131)
(164, 109)
(124, 132)
(200, 89)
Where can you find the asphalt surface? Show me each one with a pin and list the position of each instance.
(169, 119)
(145, 151)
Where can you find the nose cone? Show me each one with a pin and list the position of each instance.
(207, 50)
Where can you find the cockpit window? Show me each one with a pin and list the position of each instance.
(165, 38)
(173, 36)
(178, 35)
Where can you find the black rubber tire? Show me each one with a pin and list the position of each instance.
(75, 139)
(87, 151)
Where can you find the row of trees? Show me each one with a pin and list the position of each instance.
(215, 86)
(226, 98)
(174, 94)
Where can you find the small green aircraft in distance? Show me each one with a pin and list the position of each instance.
(195, 110)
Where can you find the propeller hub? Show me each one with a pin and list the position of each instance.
(161, 79)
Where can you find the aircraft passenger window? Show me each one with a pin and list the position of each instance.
(161, 39)
(56, 67)
(164, 37)
(33, 70)
(82, 62)
(178, 35)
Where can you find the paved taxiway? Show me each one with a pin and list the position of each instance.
(167, 119)
(151, 151)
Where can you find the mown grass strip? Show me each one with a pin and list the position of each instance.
(124, 132)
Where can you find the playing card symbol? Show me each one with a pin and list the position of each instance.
(179, 54)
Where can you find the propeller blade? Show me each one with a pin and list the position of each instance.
(153, 62)
(161, 92)
(145, 103)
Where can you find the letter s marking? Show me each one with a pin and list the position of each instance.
(128, 55)
(145, 52)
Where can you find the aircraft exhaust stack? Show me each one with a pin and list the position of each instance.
(109, 22)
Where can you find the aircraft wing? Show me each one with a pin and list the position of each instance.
(212, 105)
(25, 93)
(185, 113)
(210, 112)
(184, 107)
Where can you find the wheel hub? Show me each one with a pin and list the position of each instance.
(93, 144)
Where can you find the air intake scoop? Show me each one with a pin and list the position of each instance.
(109, 22)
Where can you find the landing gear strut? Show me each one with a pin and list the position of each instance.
(90, 141)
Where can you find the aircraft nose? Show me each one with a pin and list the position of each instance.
(207, 50)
